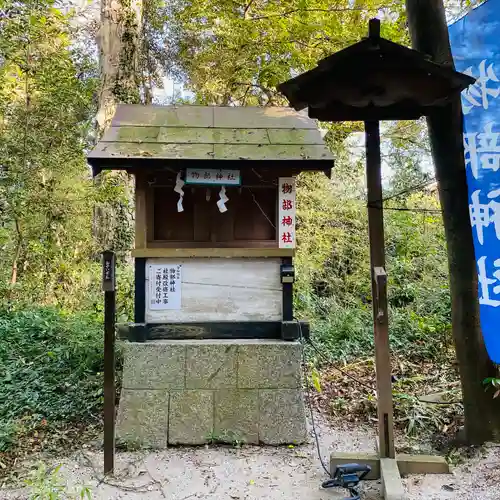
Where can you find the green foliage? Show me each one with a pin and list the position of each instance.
(232, 53)
(224, 437)
(494, 383)
(333, 280)
(50, 369)
(227, 53)
(46, 484)
(46, 194)
(237, 54)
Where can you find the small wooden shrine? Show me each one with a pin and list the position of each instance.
(212, 182)
(214, 244)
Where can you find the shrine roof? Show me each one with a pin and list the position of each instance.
(141, 136)
(374, 79)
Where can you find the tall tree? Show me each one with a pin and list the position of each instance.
(119, 48)
(45, 114)
(118, 38)
(237, 52)
(429, 33)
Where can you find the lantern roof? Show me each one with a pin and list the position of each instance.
(374, 79)
(210, 136)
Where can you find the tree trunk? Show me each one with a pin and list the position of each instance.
(429, 34)
(17, 253)
(118, 40)
(119, 56)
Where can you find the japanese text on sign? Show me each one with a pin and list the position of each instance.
(108, 271)
(165, 286)
(475, 42)
(213, 176)
(286, 213)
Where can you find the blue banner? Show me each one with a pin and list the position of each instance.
(475, 43)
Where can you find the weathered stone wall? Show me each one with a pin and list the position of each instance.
(192, 391)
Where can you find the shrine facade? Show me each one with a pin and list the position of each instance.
(214, 343)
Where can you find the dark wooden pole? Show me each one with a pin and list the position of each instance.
(429, 33)
(379, 291)
(108, 286)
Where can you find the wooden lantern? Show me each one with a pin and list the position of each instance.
(372, 80)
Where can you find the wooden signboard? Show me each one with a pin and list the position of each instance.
(213, 176)
(287, 212)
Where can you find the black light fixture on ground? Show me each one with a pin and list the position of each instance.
(374, 80)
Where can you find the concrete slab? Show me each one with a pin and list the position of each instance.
(235, 391)
(142, 419)
(211, 366)
(338, 458)
(392, 486)
(282, 418)
(237, 416)
(422, 464)
(152, 365)
(270, 366)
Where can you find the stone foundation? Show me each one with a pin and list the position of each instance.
(193, 391)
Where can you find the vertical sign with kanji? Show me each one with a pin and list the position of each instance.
(165, 286)
(286, 212)
(475, 42)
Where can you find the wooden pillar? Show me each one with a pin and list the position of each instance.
(108, 286)
(141, 218)
(379, 291)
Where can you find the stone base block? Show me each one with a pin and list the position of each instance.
(143, 418)
(189, 392)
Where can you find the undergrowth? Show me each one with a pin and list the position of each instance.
(423, 363)
(346, 333)
(50, 376)
(47, 484)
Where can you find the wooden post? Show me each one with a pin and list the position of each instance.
(379, 291)
(108, 286)
(141, 211)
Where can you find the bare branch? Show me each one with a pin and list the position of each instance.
(324, 11)
(246, 9)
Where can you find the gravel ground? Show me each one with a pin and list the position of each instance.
(476, 479)
(252, 473)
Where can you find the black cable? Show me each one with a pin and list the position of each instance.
(403, 209)
(328, 360)
(416, 187)
(308, 387)
(418, 210)
(332, 481)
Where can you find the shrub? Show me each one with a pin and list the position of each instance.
(50, 368)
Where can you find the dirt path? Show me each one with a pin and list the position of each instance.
(253, 473)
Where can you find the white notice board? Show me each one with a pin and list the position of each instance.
(165, 286)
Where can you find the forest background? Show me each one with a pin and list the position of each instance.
(222, 52)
